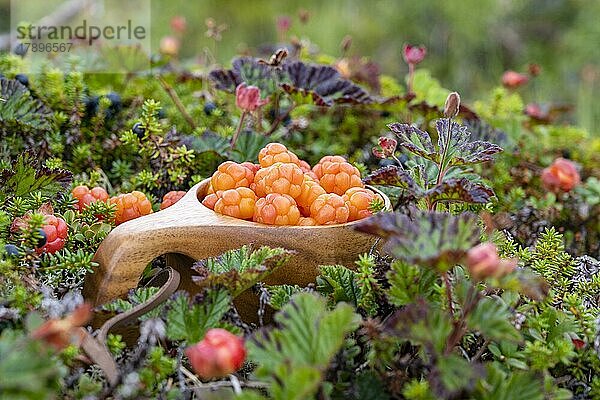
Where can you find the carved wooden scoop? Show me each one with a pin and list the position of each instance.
(189, 231)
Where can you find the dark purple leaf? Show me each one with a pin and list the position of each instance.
(460, 190)
(323, 84)
(455, 141)
(415, 140)
(20, 112)
(437, 240)
(250, 71)
(393, 175)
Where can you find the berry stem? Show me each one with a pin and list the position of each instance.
(239, 129)
(411, 75)
(173, 95)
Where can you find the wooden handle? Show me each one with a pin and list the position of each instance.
(190, 229)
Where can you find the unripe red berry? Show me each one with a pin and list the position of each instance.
(483, 262)
(562, 175)
(220, 353)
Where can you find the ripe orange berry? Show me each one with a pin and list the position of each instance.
(310, 191)
(279, 178)
(252, 167)
(304, 166)
(231, 175)
(329, 208)
(171, 198)
(336, 176)
(358, 201)
(276, 152)
(85, 196)
(130, 206)
(318, 168)
(210, 200)
(307, 221)
(239, 203)
(277, 209)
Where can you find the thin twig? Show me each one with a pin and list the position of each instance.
(173, 95)
(481, 350)
(279, 119)
(238, 130)
(449, 294)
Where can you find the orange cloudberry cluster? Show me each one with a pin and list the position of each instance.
(284, 190)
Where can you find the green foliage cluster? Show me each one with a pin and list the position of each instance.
(408, 320)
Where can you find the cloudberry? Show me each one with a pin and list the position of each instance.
(231, 175)
(310, 191)
(337, 176)
(358, 201)
(276, 152)
(130, 206)
(85, 196)
(304, 166)
(277, 209)
(238, 203)
(210, 200)
(171, 198)
(279, 178)
(251, 166)
(56, 232)
(307, 221)
(318, 168)
(329, 208)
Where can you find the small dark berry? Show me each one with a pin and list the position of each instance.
(43, 239)
(23, 79)
(287, 120)
(115, 104)
(566, 154)
(161, 114)
(11, 250)
(139, 130)
(91, 105)
(385, 113)
(20, 50)
(115, 100)
(209, 107)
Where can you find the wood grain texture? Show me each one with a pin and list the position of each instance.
(189, 228)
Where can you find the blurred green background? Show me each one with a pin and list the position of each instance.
(470, 42)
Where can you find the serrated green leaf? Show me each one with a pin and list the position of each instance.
(239, 270)
(306, 338)
(339, 283)
(280, 295)
(188, 322)
(492, 319)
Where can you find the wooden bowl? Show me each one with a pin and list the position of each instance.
(188, 231)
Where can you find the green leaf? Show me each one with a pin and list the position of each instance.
(437, 240)
(188, 322)
(239, 270)
(454, 143)
(492, 318)
(27, 368)
(339, 283)
(456, 373)
(422, 325)
(409, 282)
(500, 385)
(294, 355)
(23, 177)
(280, 295)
